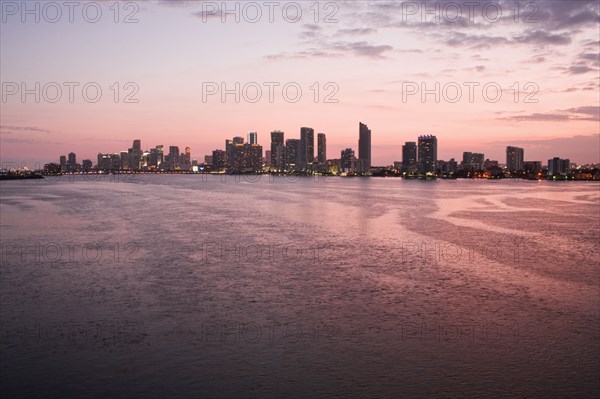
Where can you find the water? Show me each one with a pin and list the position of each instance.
(191, 286)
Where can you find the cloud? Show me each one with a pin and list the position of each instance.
(206, 15)
(581, 18)
(20, 140)
(540, 23)
(579, 69)
(542, 38)
(585, 113)
(591, 110)
(592, 58)
(539, 117)
(310, 31)
(357, 31)
(4, 129)
(336, 49)
(176, 3)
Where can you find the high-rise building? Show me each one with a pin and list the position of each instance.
(559, 167)
(104, 162)
(238, 140)
(219, 160)
(348, 161)
(63, 163)
(409, 157)
(467, 158)
(155, 158)
(228, 146)
(292, 156)
(124, 160)
(107, 162)
(478, 159)
(277, 151)
(52, 168)
(188, 156)
(452, 166)
(514, 158)
(246, 158)
(252, 138)
(427, 154)
(173, 157)
(532, 166)
(86, 165)
(160, 154)
(307, 147)
(135, 155)
(321, 149)
(72, 162)
(364, 147)
(472, 161)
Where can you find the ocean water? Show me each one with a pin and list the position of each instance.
(216, 286)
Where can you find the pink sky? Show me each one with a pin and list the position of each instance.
(373, 52)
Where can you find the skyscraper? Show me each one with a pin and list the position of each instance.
(292, 156)
(219, 158)
(72, 162)
(228, 146)
(427, 154)
(307, 147)
(159, 154)
(558, 166)
(348, 161)
(252, 138)
(321, 149)
(364, 147)
(277, 151)
(135, 155)
(409, 157)
(245, 158)
(173, 157)
(188, 156)
(477, 160)
(63, 163)
(124, 160)
(514, 158)
(472, 161)
(86, 165)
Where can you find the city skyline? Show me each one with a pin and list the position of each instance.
(240, 156)
(369, 61)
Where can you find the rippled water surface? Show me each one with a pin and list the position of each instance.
(208, 286)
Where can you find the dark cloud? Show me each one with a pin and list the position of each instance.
(539, 23)
(542, 38)
(581, 18)
(579, 69)
(591, 110)
(590, 59)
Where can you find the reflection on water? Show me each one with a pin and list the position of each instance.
(211, 286)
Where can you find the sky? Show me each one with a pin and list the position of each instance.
(480, 75)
